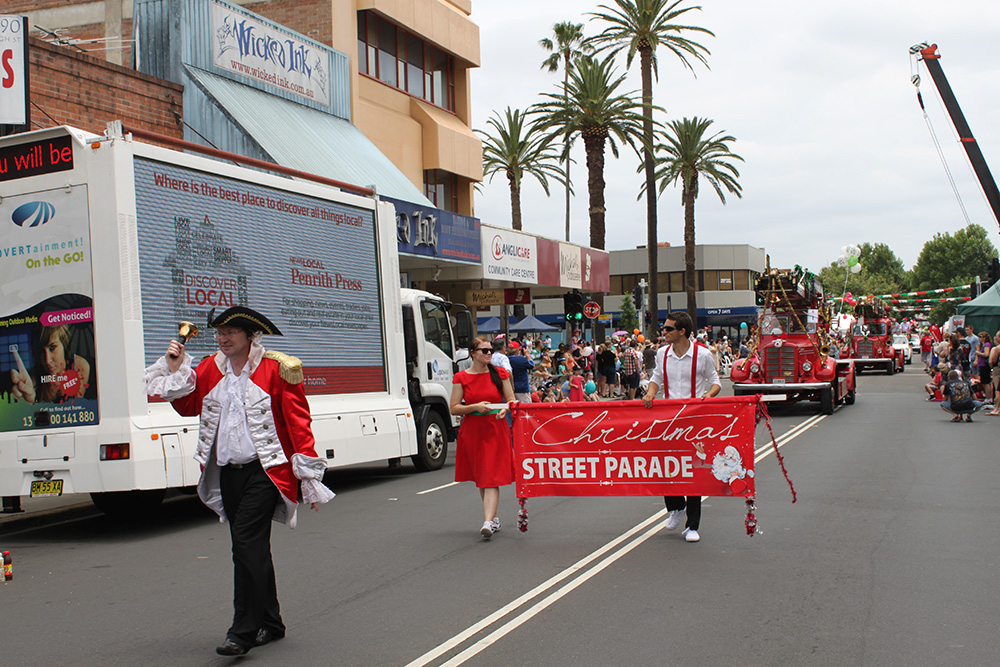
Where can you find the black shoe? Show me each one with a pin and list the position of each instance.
(232, 648)
(265, 636)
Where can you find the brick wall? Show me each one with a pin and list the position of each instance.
(71, 88)
(312, 18)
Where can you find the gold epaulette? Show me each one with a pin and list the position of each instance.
(289, 367)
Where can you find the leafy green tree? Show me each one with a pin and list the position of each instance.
(688, 156)
(594, 107)
(948, 260)
(630, 318)
(517, 148)
(568, 46)
(640, 26)
(882, 272)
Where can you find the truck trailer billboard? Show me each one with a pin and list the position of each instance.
(209, 242)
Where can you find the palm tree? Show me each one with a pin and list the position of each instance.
(518, 148)
(593, 107)
(568, 46)
(641, 26)
(687, 156)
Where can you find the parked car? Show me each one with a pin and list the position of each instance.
(901, 342)
(915, 343)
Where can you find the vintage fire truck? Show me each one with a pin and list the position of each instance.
(871, 338)
(790, 357)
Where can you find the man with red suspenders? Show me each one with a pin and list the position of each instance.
(685, 369)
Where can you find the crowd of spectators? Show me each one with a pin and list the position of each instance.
(963, 370)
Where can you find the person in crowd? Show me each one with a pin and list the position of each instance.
(576, 385)
(521, 367)
(926, 347)
(981, 365)
(994, 362)
(499, 359)
(684, 369)
(969, 345)
(607, 361)
(483, 448)
(959, 400)
(252, 469)
(936, 381)
(649, 358)
(544, 370)
(631, 368)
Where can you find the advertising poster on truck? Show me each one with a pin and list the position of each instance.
(208, 242)
(48, 369)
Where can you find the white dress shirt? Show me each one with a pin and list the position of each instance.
(679, 372)
(233, 443)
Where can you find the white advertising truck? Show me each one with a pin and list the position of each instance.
(107, 244)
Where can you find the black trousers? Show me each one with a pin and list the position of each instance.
(691, 503)
(249, 498)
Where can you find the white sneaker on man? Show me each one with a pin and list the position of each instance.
(674, 519)
(691, 535)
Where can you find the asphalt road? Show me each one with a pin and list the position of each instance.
(889, 557)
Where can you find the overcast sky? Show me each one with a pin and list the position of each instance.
(818, 96)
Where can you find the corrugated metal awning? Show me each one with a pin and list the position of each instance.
(309, 140)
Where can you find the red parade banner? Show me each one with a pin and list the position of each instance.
(679, 447)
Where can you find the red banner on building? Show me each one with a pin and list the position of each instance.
(676, 448)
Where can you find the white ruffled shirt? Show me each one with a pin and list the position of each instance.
(233, 443)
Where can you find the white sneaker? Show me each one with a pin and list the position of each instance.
(691, 535)
(674, 518)
(487, 530)
(495, 524)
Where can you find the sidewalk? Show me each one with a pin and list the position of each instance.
(39, 510)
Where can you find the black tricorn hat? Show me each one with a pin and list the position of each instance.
(246, 318)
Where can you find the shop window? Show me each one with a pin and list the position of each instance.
(711, 280)
(726, 280)
(401, 59)
(441, 187)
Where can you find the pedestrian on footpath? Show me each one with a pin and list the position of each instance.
(256, 450)
(685, 369)
(484, 453)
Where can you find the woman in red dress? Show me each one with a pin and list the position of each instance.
(484, 453)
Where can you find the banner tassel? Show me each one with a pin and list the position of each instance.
(763, 415)
(522, 515)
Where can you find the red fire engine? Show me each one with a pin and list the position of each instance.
(871, 338)
(789, 353)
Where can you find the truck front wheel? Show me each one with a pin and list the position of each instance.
(892, 368)
(432, 443)
(826, 400)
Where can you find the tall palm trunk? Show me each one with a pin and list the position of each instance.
(515, 203)
(566, 141)
(593, 142)
(652, 254)
(690, 278)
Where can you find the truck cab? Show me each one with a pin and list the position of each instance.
(436, 335)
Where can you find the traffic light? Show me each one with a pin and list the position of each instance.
(637, 297)
(573, 306)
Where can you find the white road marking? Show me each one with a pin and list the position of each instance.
(437, 488)
(577, 567)
(530, 595)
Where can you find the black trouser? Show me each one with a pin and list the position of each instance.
(249, 498)
(693, 506)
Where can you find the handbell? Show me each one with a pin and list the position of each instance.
(187, 331)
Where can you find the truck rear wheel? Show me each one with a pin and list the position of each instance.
(128, 504)
(826, 400)
(432, 443)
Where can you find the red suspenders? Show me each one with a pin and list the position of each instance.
(694, 370)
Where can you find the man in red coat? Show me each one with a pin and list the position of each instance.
(256, 448)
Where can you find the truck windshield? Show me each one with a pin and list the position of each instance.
(437, 329)
(782, 323)
(870, 329)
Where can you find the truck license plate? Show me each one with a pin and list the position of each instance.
(46, 488)
(778, 381)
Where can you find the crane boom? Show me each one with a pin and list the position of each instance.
(930, 56)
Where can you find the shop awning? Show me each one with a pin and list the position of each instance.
(306, 139)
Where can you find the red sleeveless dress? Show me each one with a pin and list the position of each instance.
(484, 454)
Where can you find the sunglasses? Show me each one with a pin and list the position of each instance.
(669, 328)
(484, 349)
